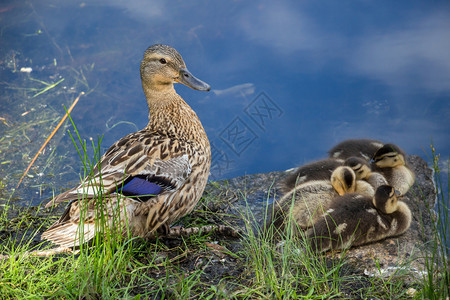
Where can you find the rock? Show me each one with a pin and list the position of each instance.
(247, 197)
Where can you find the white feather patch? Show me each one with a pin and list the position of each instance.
(380, 221)
(90, 190)
(301, 179)
(365, 156)
(328, 212)
(372, 211)
(379, 145)
(394, 226)
(337, 154)
(340, 228)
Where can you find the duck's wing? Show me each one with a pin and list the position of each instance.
(141, 164)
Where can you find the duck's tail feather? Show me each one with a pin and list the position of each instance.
(70, 234)
(64, 197)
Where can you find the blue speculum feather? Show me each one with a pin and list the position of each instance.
(139, 186)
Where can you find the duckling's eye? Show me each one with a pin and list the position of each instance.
(163, 61)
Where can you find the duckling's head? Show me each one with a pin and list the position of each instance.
(162, 66)
(359, 165)
(389, 156)
(343, 179)
(385, 199)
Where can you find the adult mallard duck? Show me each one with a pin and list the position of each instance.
(150, 178)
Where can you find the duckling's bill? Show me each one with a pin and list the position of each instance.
(185, 77)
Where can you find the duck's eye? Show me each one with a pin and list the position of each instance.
(163, 61)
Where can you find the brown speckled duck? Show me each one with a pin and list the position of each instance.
(353, 220)
(150, 178)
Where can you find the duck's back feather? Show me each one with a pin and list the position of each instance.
(141, 163)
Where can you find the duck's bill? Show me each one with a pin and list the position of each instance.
(191, 81)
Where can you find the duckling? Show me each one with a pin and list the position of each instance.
(390, 161)
(317, 170)
(354, 220)
(364, 148)
(363, 172)
(348, 182)
(312, 198)
(153, 176)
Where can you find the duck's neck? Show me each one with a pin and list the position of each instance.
(170, 115)
(160, 98)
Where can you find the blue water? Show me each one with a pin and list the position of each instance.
(289, 79)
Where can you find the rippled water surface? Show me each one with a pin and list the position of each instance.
(289, 79)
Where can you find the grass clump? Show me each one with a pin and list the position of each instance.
(436, 279)
(258, 265)
(97, 272)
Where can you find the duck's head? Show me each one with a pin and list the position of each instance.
(343, 179)
(386, 199)
(162, 66)
(359, 165)
(389, 156)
